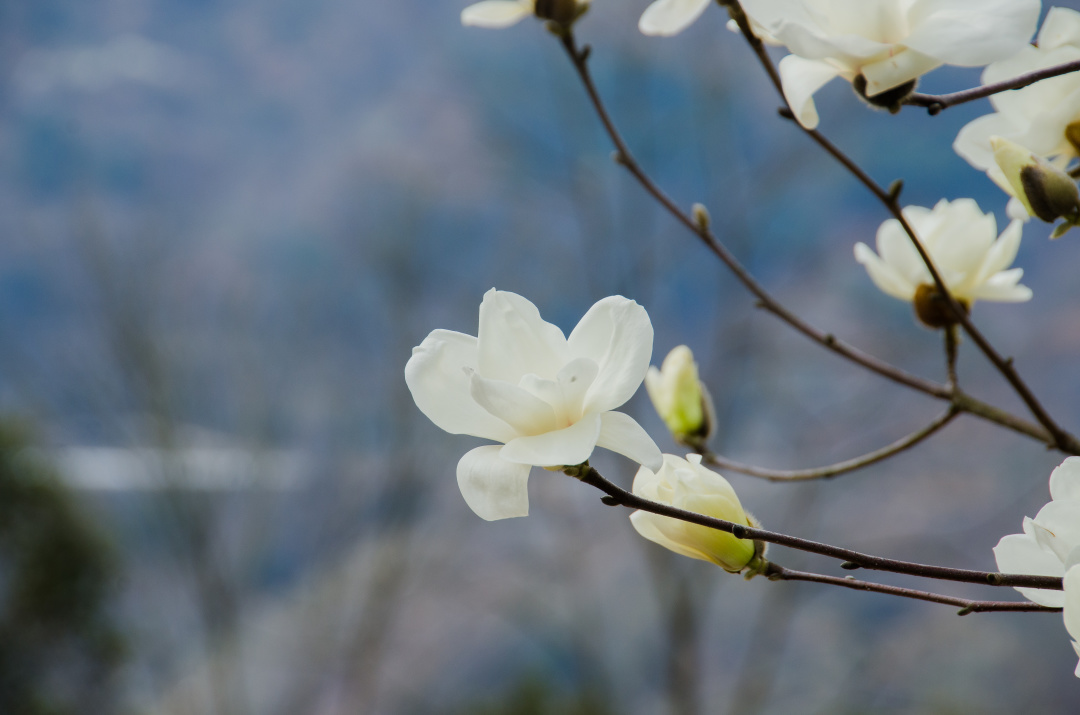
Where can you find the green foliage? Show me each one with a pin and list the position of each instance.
(57, 573)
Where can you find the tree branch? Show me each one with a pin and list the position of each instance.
(832, 470)
(776, 572)
(852, 559)
(935, 103)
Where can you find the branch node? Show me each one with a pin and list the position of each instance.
(785, 112)
(610, 500)
(739, 531)
(829, 339)
(934, 108)
(895, 188)
(966, 610)
(619, 158)
(994, 579)
(850, 565)
(583, 55)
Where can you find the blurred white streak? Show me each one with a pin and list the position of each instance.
(126, 58)
(202, 468)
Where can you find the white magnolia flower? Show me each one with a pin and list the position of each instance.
(1043, 117)
(546, 397)
(961, 242)
(1050, 544)
(1072, 609)
(889, 43)
(670, 17)
(497, 14)
(1044, 190)
(685, 484)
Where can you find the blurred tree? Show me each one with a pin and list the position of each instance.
(58, 647)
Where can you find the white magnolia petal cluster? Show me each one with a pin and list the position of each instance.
(685, 484)
(961, 242)
(1050, 546)
(888, 42)
(548, 398)
(1037, 117)
(497, 14)
(670, 17)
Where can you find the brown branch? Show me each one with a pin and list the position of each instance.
(1062, 440)
(832, 470)
(618, 496)
(935, 103)
(775, 572)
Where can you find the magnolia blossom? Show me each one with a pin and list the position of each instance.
(685, 484)
(546, 397)
(1050, 544)
(497, 14)
(1043, 117)
(679, 397)
(888, 43)
(961, 242)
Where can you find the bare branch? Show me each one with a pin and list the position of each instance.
(935, 103)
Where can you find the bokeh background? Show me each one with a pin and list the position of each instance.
(223, 226)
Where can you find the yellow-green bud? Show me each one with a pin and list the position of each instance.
(1046, 191)
(685, 484)
(680, 399)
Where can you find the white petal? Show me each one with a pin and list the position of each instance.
(1072, 602)
(1061, 27)
(895, 69)
(622, 435)
(670, 17)
(970, 33)
(617, 334)
(493, 487)
(514, 340)
(515, 406)
(1021, 554)
(565, 447)
(885, 277)
(801, 78)
(651, 526)
(973, 141)
(1003, 288)
(1062, 518)
(1065, 480)
(566, 393)
(438, 378)
(496, 14)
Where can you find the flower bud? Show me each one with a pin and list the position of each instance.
(931, 308)
(1046, 191)
(562, 12)
(685, 484)
(680, 399)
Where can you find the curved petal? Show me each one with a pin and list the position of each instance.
(651, 526)
(895, 69)
(885, 277)
(513, 340)
(670, 17)
(1061, 27)
(970, 33)
(1061, 519)
(972, 143)
(622, 435)
(565, 447)
(801, 78)
(1065, 480)
(617, 335)
(1072, 603)
(1021, 554)
(517, 407)
(493, 487)
(438, 378)
(1003, 288)
(566, 393)
(496, 14)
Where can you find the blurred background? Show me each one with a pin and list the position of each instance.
(224, 225)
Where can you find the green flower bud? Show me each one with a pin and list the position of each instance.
(1046, 191)
(680, 399)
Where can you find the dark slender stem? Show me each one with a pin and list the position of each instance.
(776, 572)
(852, 559)
(1061, 439)
(951, 344)
(935, 103)
(832, 470)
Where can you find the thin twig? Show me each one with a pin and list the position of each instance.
(832, 470)
(852, 559)
(935, 103)
(776, 572)
(951, 344)
(1061, 439)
